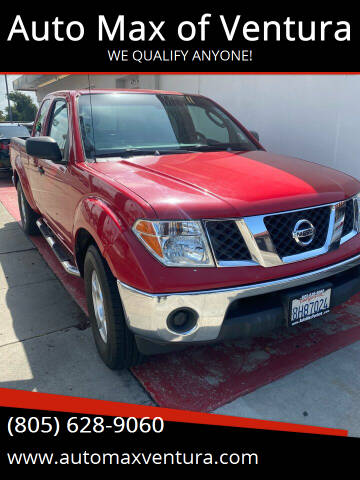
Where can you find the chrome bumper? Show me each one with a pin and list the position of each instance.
(147, 313)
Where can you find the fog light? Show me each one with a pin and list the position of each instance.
(182, 321)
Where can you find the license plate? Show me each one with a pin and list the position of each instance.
(309, 306)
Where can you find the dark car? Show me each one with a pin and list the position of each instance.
(7, 131)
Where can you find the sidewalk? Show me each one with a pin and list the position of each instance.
(43, 344)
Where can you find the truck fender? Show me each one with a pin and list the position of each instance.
(112, 237)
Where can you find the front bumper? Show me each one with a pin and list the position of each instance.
(147, 313)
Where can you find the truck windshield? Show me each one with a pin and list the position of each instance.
(132, 124)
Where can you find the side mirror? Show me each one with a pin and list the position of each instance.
(44, 147)
(255, 134)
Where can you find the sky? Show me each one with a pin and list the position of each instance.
(3, 99)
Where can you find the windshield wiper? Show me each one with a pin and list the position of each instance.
(131, 152)
(221, 147)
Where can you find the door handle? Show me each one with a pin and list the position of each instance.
(41, 170)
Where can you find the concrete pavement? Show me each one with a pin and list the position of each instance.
(325, 393)
(43, 345)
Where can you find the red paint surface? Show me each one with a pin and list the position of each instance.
(204, 378)
(219, 184)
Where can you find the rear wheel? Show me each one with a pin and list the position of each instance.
(114, 341)
(27, 214)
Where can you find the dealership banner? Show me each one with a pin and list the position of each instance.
(197, 39)
(42, 429)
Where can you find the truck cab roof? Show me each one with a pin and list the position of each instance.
(86, 91)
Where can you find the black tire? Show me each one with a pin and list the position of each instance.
(27, 214)
(119, 350)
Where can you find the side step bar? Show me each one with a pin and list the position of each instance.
(61, 254)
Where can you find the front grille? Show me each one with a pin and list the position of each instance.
(227, 241)
(281, 226)
(349, 218)
(229, 246)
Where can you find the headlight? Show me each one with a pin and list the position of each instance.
(175, 243)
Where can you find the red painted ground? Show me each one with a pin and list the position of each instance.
(204, 378)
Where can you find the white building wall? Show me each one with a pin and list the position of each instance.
(315, 117)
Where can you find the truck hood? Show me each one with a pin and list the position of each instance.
(214, 184)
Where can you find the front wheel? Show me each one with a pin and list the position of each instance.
(114, 341)
(27, 214)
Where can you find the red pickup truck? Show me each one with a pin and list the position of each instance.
(184, 228)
